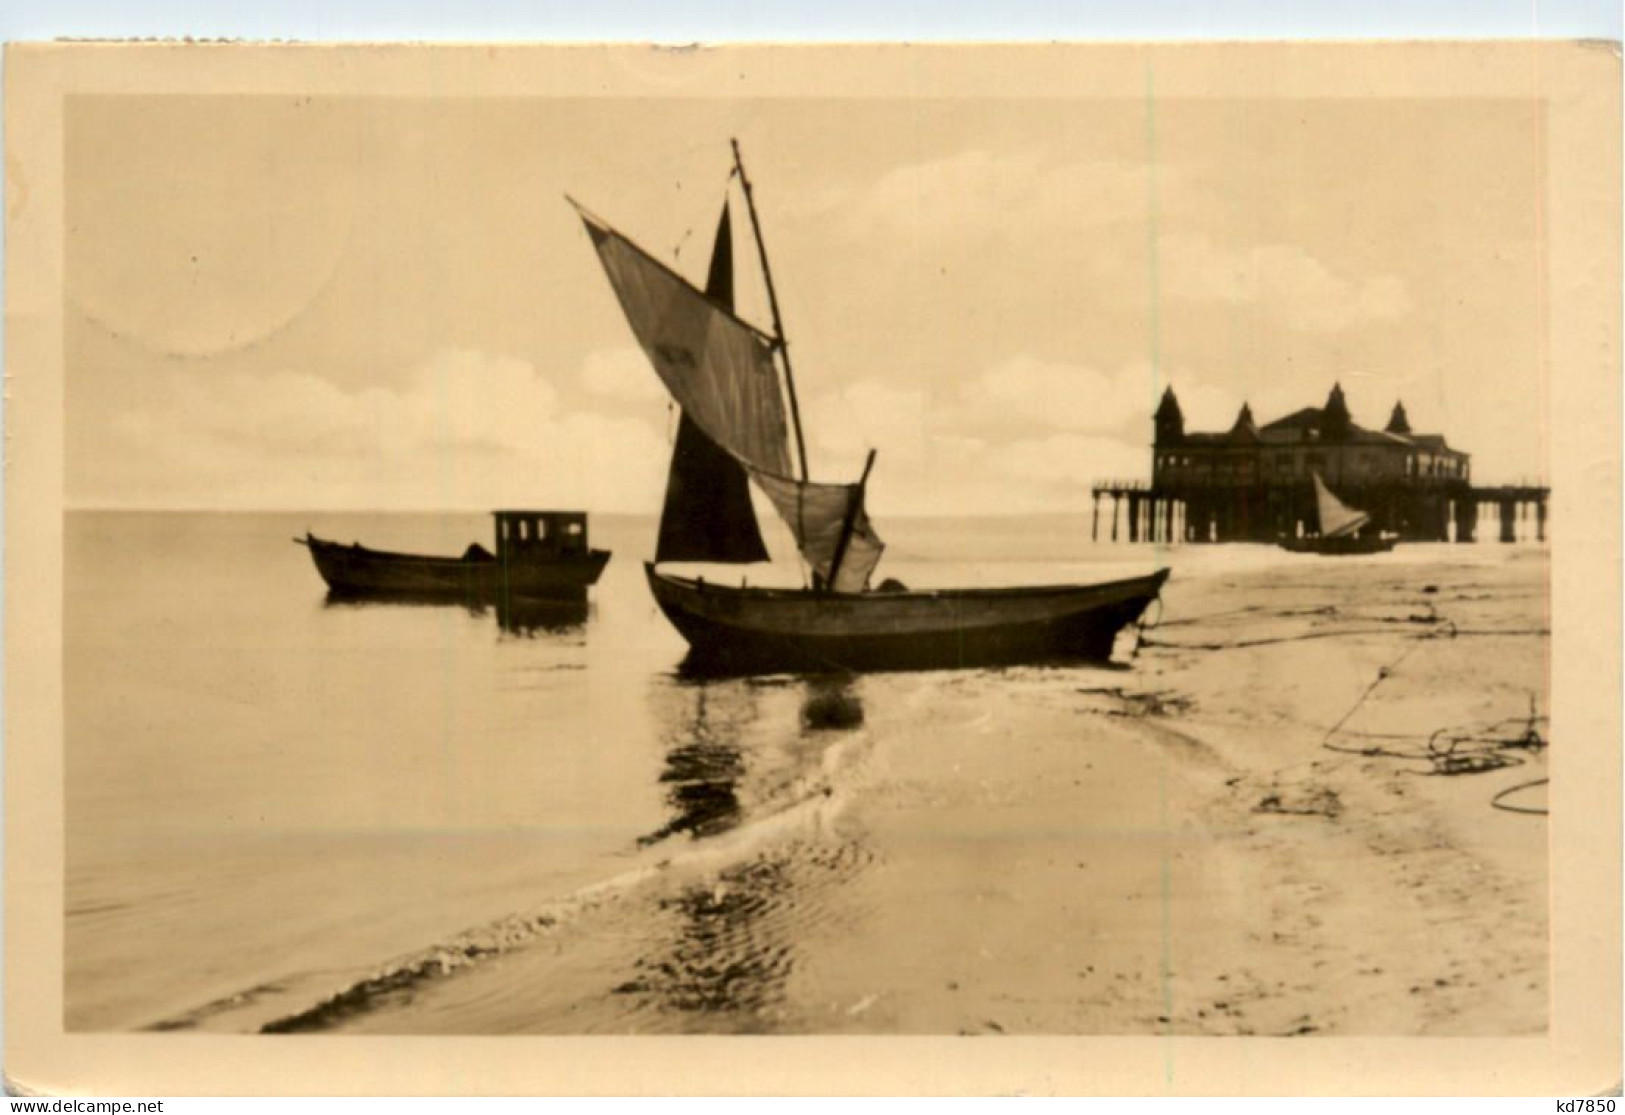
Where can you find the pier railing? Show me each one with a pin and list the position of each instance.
(1107, 487)
(1200, 481)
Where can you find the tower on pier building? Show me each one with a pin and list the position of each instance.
(1255, 482)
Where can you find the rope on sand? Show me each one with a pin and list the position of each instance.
(1474, 751)
(1440, 627)
(1499, 800)
(1449, 750)
(1251, 610)
(1240, 644)
(1383, 673)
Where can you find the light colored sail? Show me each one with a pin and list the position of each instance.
(718, 367)
(1336, 517)
(817, 515)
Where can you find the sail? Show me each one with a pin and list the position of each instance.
(708, 515)
(718, 367)
(1336, 517)
(817, 515)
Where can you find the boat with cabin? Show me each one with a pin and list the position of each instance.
(540, 556)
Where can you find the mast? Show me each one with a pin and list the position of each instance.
(773, 304)
(707, 514)
(851, 521)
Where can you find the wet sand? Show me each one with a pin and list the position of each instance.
(1201, 843)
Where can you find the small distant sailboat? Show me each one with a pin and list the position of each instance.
(725, 373)
(1343, 529)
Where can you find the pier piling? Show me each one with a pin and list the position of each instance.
(1173, 514)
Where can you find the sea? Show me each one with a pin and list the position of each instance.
(287, 812)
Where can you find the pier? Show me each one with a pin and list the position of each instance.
(1136, 511)
(1255, 483)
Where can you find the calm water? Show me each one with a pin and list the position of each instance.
(271, 797)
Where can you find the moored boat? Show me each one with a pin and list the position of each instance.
(1355, 544)
(732, 381)
(739, 629)
(1343, 529)
(541, 555)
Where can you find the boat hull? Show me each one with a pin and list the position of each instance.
(757, 630)
(355, 570)
(1332, 547)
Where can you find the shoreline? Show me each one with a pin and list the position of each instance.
(1168, 848)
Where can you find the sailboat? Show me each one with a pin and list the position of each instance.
(734, 384)
(1343, 529)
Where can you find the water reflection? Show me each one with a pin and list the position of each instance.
(729, 941)
(524, 618)
(530, 618)
(704, 764)
(831, 704)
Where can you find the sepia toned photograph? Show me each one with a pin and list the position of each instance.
(637, 544)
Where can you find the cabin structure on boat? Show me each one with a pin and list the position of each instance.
(1255, 483)
(541, 556)
(528, 536)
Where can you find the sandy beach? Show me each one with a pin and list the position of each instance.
(1263, 883)
(1239, 829)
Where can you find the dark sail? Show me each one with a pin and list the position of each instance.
(708, 515)
(719, 281)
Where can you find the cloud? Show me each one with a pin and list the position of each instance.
(1073, 460)
(622, 374)
(868, 414)
(1026, 476)
(468, 430)
(1284, 280)
(976, 192)
(456, 398)
(1025, 390)
(1089, 221)
(1204, 406)
(1026, 435)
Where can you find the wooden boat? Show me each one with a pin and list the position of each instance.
(541, 555)
(733, 381)
(737, 628)
(1343, 529)
(1354, 544)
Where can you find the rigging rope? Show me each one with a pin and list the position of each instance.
(1448, 750)
(1141, 626)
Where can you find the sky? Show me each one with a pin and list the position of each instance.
(386, 303)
